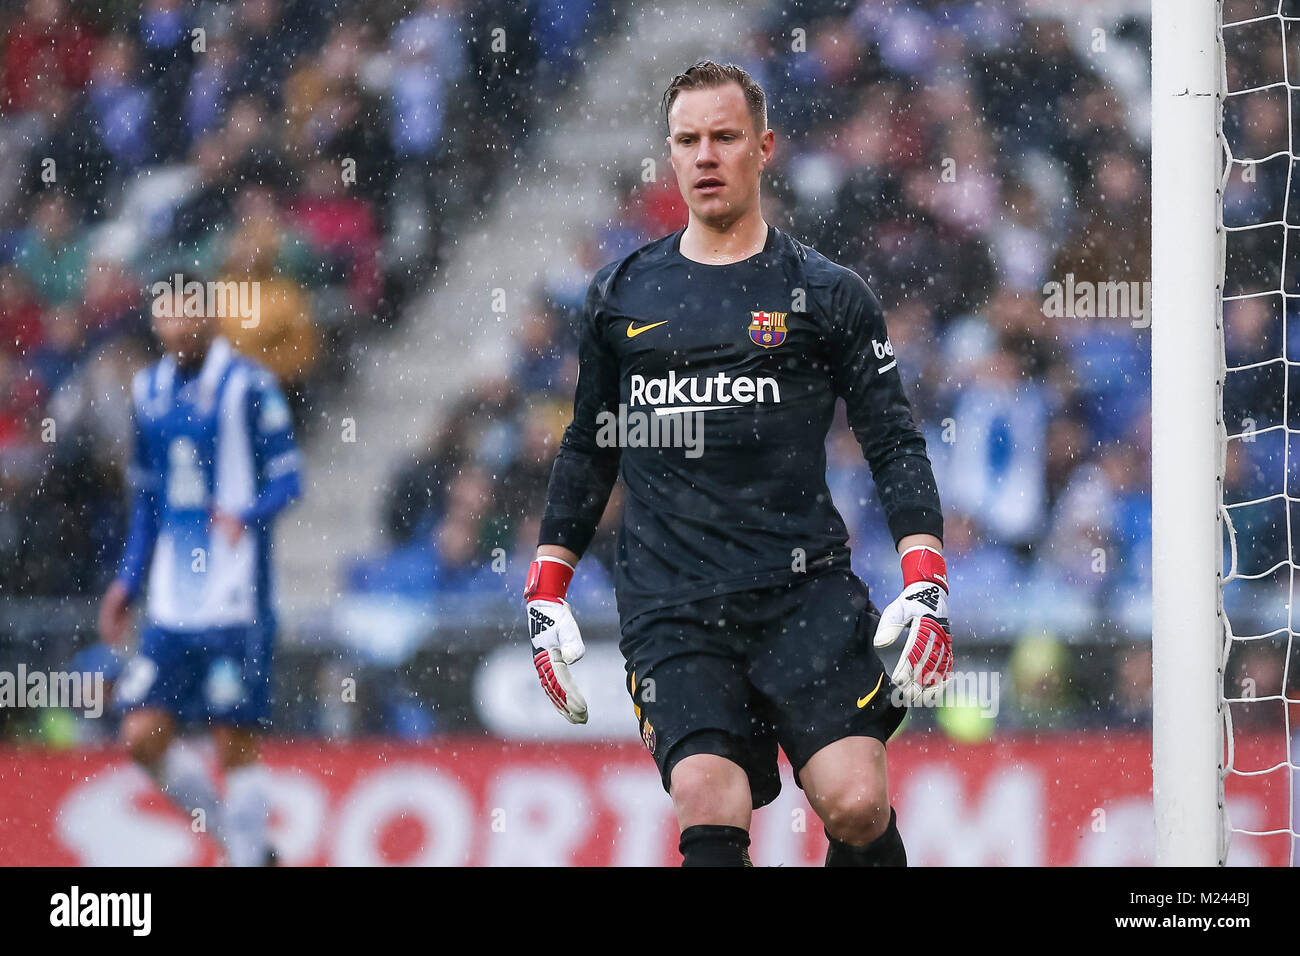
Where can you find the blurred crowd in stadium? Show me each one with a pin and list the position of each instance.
(147, 149)
(958, 154)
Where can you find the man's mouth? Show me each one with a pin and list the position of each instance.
(709, 184)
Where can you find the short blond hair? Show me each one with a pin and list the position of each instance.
(706, 75)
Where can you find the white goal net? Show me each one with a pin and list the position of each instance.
(1259, 477)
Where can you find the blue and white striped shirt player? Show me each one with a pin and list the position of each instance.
(218, 440)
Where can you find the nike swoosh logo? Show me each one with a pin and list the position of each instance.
(633, 331)
(863, 701)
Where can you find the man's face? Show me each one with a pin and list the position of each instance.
(717, 153)
(185, 336)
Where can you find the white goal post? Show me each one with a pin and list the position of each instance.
(1187, 433)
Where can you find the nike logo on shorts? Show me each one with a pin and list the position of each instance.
(863, 701)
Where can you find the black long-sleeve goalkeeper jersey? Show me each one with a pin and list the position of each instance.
(755, 354)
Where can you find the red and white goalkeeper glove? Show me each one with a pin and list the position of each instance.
(555, 637)
(920, 613)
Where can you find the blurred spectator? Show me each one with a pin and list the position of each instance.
(48, 45)
(121, 103)
(998, 458)
(1112, 243)
(66, 152)
(268, 41)
(281, 335)
(52, 255)
(429, 56)
(1255, 677)
(61, 349)
(1130, 701)
(20, 313)
(344, 234)
(168, 59)
(210, 84)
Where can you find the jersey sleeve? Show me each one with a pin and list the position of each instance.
(584, 472)
(865, 372)
(274, 450)
(144, 481)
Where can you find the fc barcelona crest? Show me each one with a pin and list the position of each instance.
(767, 329)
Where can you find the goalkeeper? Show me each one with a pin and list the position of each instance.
(743, 627)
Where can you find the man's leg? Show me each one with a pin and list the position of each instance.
(695, 706)
(238, 714)
(846, 784)
(834, 709)
(155, 688)
(183, 777)
(247, 803)
(714, 805)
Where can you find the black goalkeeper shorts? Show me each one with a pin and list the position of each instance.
(739, 674)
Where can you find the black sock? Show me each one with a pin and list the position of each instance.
(884, 850)
(709, 845)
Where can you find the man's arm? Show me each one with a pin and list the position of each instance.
(557, 551)
(581, 483)
(141, 536)
(919, 541)
(144, 480)
(277, 454)
(584, 473)
(866, 376)
(270, 425)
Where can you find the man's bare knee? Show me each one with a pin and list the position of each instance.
(147, 734)
(853, 814)
(845, 783)
(236, 746)
(709, 789)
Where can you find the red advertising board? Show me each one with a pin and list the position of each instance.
(1070, 799)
